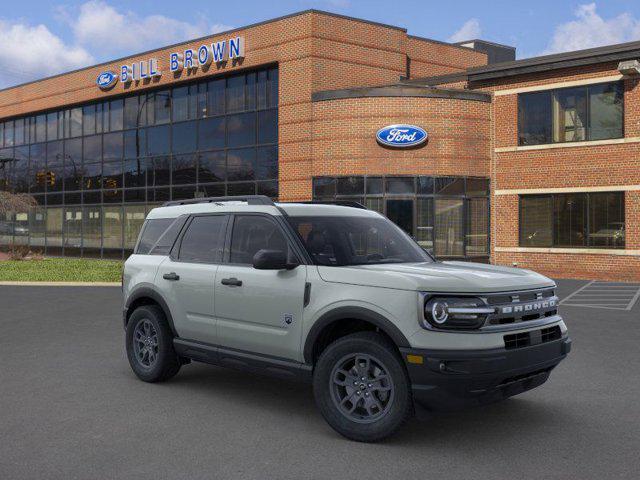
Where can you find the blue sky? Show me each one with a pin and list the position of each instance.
(43, 37)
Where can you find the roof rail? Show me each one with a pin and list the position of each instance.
(342, 203)
(250, 199)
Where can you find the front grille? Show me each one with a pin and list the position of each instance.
(522, 306)
(535, 337)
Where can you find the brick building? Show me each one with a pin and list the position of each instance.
(529, 161)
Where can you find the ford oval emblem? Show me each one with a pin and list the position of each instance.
(401, 136)
(106, 80)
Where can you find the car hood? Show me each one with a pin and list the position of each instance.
(443, 277)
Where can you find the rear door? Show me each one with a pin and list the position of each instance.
(259, 311)
(186, 278)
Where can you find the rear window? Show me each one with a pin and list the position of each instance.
(151, 232)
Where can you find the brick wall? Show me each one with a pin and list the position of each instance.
(564, 167)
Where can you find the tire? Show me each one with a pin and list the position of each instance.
(160, 361)
(383, 405)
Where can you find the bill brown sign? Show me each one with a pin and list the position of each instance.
(189, 59)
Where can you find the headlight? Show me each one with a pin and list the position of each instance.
(455, 313)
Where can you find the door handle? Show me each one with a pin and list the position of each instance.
(232, 282)
(171, 276)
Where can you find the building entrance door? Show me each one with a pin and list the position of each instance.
(400, 212)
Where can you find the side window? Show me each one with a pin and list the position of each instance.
(168, 238)
(203, 241)
(252, 233)
(151, 232)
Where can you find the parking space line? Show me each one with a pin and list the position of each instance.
(597, 294)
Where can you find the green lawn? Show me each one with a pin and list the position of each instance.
(61, 270)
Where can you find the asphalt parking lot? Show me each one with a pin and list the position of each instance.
(70, 408)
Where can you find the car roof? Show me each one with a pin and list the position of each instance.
(293, 209)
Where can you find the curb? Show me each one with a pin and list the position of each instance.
(61, 284)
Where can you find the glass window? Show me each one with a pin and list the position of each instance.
(267, 165)
(131, 112)
(158, 140)
(570, 217)
(20, 131)
(75, 122)
(203, 241)
(270, 189)
(477, 187)
(215, 97)
(37, 168)
(201, 100)
(250, 89)
(184, 169)
(167, 239)
(112, 228)
(116, 115)
(211, 133)
(89, 124)
(21, 169)
(400, 185)
(242, 188)
(261, 89)
(268, 126)
(133, 219)
(37, 226)
(159, 171)
(605, 111)
(324, 187)
(91, 229)
(350, 186)
(477, 226)
(241, 129)
(8, 134)
(54, 230)
(424, 225)
(570, 115)
(606, 220)
(576, 114)
(183, 137)
(112, 175)
(425, 185)
(252, 233)
(134, 173)
(55, 167)
(536, 221)
(212, 167)
(180, 104)
(241, 164)
(92, 149)
(162, 106)
(449, 186)
(153, 229)
(73, 164)
(273, 88)
(41, 128)
(135, 143)
(72, 230)
(235, 93)
(449, 227)
(91, 176)
(374, 185)
(112, 146)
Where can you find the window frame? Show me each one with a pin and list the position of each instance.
(587, 222)
(552, 92)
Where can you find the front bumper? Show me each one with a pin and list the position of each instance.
(452, 379)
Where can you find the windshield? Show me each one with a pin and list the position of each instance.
(342, 241)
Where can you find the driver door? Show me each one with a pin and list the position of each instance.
(259, 311)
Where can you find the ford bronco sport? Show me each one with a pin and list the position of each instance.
(337, 295)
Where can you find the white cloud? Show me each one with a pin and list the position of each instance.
(29, 52)
(107, 31)
(469, 31)
(591, 30)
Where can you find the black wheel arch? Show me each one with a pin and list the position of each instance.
(329, 319)
(147, 296)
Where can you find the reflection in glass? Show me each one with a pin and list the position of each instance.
(449, 225)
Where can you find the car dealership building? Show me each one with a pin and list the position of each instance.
(534, 162)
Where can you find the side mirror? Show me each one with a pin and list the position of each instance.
(272, 260)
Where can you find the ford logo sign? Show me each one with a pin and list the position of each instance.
(401, 136)
(106, 80)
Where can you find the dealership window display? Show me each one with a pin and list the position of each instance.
(86, 165)
(575, 220)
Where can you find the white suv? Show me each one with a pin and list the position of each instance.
(338, 295)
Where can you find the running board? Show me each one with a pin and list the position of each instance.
(240, 360)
